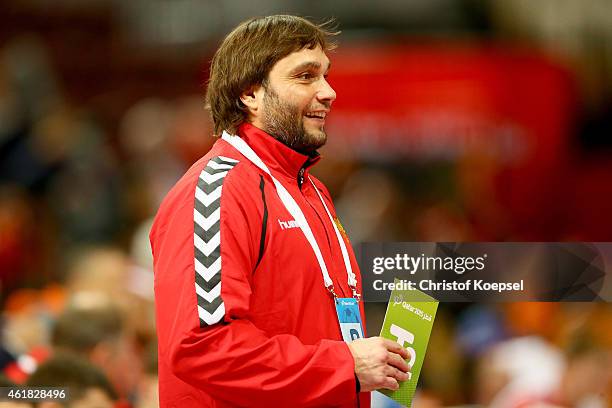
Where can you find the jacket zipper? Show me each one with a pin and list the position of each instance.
(321, 219)
(300, 179)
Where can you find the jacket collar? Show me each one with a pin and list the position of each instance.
(277, 156)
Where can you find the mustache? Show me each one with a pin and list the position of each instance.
(323, 106)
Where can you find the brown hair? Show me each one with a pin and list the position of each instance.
(247, 55)
(81, 330)
(74, 372)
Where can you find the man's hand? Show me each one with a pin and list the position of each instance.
(379, 363)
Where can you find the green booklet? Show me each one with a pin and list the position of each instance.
(408, 321)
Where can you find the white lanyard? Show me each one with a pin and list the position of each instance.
(296, 212)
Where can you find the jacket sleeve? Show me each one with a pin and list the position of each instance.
(205, 250)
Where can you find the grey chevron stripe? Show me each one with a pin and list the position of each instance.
(206, 235)
(208, 286)
(220, 160)
(207, 260)
(207, 224)
(206, 187)
(207, 211)
(212, 171)
(210, 307)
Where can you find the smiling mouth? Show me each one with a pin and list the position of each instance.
(316, 115)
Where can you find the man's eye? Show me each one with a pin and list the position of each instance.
(305, 76)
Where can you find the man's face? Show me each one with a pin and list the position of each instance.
(293, 103)
(93, 398)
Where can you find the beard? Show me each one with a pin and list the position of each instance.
(285, 122)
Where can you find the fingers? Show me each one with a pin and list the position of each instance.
(391, 383)
(395, 348)
(396, 373)
(396, 361)
(379, 363)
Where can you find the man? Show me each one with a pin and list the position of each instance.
(250, 258)
(98, 333)
(86, 384)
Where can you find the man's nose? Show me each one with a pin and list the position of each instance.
(326, 92)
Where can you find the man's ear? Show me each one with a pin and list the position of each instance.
(252, 99)
(249, 99)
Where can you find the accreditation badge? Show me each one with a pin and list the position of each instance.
(349, 318)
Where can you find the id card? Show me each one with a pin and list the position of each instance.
(349, 319)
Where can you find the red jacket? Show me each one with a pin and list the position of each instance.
(243, 317)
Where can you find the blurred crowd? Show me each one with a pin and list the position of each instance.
(75, 213)
(77, 197)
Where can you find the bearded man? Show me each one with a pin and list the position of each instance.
(252, 267)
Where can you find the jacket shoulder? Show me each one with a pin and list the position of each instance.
(222, 165)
